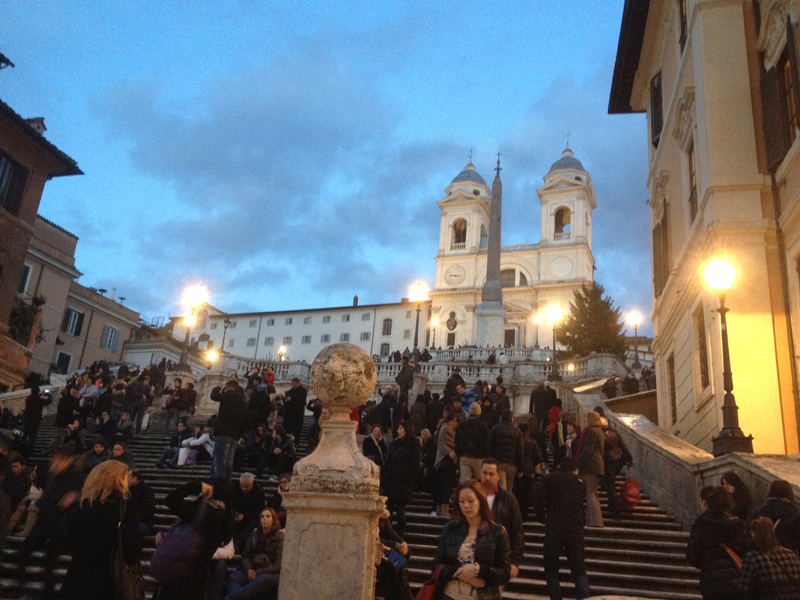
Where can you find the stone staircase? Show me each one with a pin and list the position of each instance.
(643, 555)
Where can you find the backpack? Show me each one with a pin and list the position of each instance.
(175, 558)
(613, 452)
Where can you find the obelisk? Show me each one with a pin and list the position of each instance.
(490, 314)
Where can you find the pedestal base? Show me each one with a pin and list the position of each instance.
(728, 442)
(491, 324)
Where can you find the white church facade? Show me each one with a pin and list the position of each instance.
(533, 276)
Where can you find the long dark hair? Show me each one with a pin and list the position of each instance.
(409, 427)
(742, 499)
(485, 511)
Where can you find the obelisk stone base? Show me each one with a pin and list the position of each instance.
(491, 324)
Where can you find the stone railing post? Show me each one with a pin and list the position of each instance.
(331, 539)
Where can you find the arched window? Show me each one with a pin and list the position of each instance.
(387, 327)
(385, 350)
(507, 278)
(562, 220)
(484, 237)
(523, 281)
(460, 232)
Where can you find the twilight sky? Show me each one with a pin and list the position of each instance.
(291, 154)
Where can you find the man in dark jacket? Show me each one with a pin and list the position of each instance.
(381, 414)
(435, 408)
(471, 444)
(780, 507)
(230, 427)
(505, 444)
(558, 502)
(615, 456)
(170, 453)
(539, 405)
(66, 413)
(34, 404)
(259, 406)
(451, 387)
(489, 414)
(505, 510)
(145, 498)
(248, 502)
(405, 378)
(294, 408)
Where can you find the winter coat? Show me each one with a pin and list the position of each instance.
(260, 406)
(506, 513)
(501, 403)
(92, 537)
(560, 496)
(590, 461)
(405, 378)
(540, 403)
(472, 439)
(615, 452)
(266, 560)
(718, 574)
(490, 416)
(492, 553)
(232, 415)
(400, 469)
(66, 405)
(786, 517)
(505, 444)
(92, 459)
(381, 414)
(145, 498)
(435, 408)
(294, 406)
(250, 504)
(34, 404)
(446, 442)
(452, 383)
(375, 452)
(419, 416)
(531, 456)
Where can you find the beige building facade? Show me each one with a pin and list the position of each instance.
(719, 81)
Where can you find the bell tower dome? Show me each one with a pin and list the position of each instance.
(465, 214)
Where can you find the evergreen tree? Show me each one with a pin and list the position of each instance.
(592, 324)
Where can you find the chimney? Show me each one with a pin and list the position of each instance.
(37, 124)
(355, 300)
(113, 293)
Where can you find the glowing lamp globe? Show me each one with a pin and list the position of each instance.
(635, 318)
(719, 275)
(418, 292)
(212, 355)
(537, 319)
(189, 321)
(434, 322)
(554, 313)
(195, 295)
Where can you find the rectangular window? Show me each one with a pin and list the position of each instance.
(287, 340)
(656, 110)
(702, 347)
(408, 314)
(289, 321)
(387, 327)
(253, 322)
(692, 182)
(365, 316)
(62, 363)
(12, 183)
(684, 23)
(251, 342)
(673, 393)
(25, 279)
(270, 322)
(73, 322)
(407, 334)
(661, 254)
(307, 321)
(230, 343)
(345, 318)
(325, 338)
(786, 67)
(365, 336)
(269, 341)
(110, 338)
(233, 325)
(213, 325)
(306, 339)
(451, 340)
(345, 337)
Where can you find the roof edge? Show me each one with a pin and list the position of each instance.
(629, 49)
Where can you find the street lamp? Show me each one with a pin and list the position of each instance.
(212, 355)
(281, 352)
(193, 297)
(635, 318)
(226, 324)
(554, 314)
(418, 292)
(537, 319)
(434, 324)
(719, 276)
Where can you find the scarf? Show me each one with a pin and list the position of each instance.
(377, 445)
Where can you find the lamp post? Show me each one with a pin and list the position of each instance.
(719, 275)
(225, 324)
(193, 297)
(434, 325)
(635, 318)
(417, 294)
(554, 314)
(281, 352)
(537, 319)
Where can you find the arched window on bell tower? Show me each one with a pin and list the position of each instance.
(459, 233)
(484, 237)
(562, 223)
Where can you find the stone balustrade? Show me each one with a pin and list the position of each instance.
(15, 401)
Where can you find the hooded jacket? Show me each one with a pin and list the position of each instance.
(786, 517)
(718, 574)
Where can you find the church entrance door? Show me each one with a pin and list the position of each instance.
(511, 338)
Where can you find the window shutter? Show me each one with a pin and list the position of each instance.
(79, 325)
(656, 243)
(19, 175)
(665, 262)
(65, 322)
(114, 339)
(791, 48)
(772, 116)
(656, 109)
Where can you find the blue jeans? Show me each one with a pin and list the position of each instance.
(222, 463)
(170, 455)
(573, 546)
(241, 589)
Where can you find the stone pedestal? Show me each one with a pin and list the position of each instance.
(331, 539)
(491, 324)
(419, 387)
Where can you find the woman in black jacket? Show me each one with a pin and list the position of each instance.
(261, 561)
(741, 499)
(714, 528)
(92, 527)
(374, 446)
(783, 512)
(215, 528)
(474, 551)
(399, 471)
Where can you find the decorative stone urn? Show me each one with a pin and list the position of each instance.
(333, 508)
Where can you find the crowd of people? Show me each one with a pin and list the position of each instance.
(485, 467)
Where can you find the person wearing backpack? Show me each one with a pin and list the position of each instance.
(615, 455)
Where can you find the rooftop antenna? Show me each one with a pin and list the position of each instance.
(498, 169)
(470, 155)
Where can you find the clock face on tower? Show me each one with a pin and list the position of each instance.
(455, 275)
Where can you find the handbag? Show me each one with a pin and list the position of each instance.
(174, 559)
(737, 561)
(128, 581)
(428, 588)
(398, 560)
(631, 496)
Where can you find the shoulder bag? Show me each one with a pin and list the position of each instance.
(128, 581)
(426, 592)
(174, 559)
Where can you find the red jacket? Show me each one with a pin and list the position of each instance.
(554, 416)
